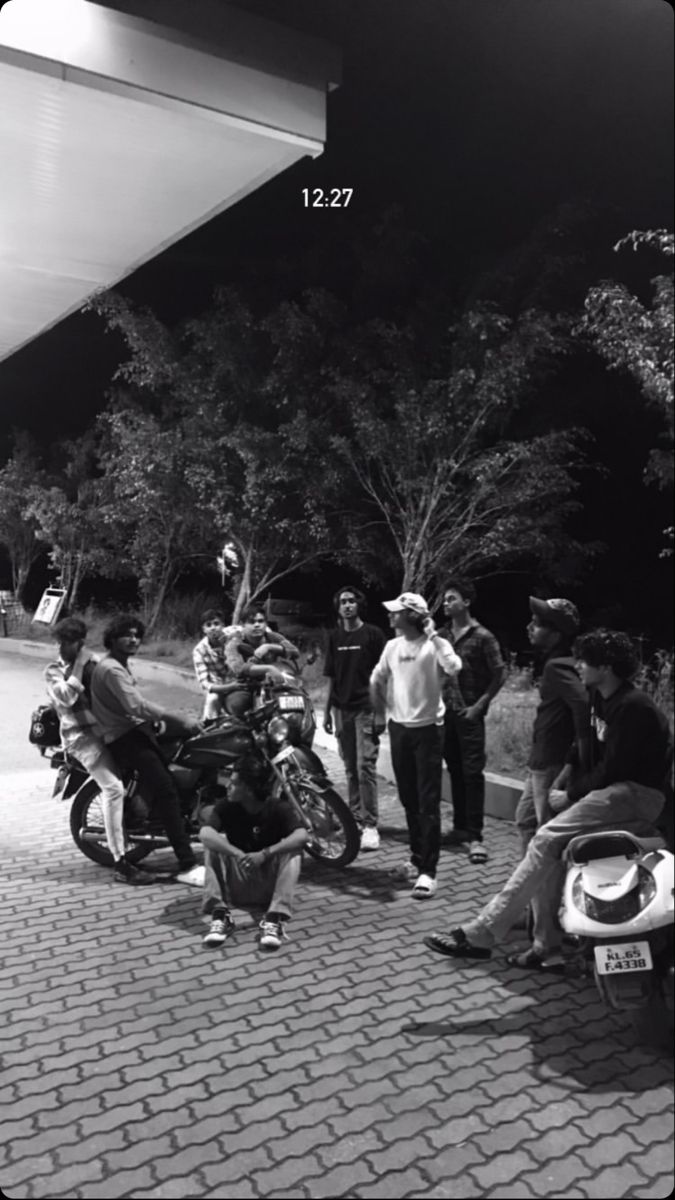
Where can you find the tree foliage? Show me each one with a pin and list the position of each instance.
(19, 527)
(439, 480)
(638, 337)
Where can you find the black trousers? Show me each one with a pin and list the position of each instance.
(464, 754)
(416, 756)
(136, 751)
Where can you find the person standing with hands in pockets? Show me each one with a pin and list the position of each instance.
(407, 685)
(353, 650)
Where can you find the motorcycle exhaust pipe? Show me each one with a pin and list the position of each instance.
(93, 835)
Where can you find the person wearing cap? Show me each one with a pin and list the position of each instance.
(562, 719)
(407, 684)
(467, 700)
(624, 789)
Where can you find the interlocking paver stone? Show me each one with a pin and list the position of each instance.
(352, 1064)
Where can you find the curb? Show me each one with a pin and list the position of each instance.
(502, 793)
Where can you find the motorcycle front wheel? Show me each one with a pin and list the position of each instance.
(334, 836)
(88, 830)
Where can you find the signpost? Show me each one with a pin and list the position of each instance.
(50, 606)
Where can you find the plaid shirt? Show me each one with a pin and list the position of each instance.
(210, 664)
(481, 661)
(69, 697)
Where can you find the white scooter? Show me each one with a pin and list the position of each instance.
(618, 901)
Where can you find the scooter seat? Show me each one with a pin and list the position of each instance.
(611, 844)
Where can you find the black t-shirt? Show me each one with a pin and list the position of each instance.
(350, 658)
(251, 832)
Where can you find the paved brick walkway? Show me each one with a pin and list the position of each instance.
(351, 1064)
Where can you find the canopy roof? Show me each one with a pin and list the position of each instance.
(119, 135)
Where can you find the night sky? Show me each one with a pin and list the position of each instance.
(479, 117)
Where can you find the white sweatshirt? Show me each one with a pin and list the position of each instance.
(409, 677)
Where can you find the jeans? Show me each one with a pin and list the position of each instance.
(629, 806)
(359, 749)
(416, 756)
(464, 754)
(112, 801)
(270, 886)
(532, 809)
(137, 751)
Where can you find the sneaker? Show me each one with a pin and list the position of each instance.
(272, 934)
(126, 872)
(193, 876)
(220, 930)
(370, 838)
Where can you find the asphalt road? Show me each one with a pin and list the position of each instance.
(352, 1064)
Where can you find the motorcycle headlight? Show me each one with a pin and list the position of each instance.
(277, 730)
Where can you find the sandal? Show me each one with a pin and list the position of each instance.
(424, 888)
(477, 853)
(455, 945)
(531, 960)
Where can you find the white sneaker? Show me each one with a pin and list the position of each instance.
(370, 838)
(425, 888)
(194, 877)
(220, 930)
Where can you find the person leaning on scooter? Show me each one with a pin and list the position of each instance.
(624, 790)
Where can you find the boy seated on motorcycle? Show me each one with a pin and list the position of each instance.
(253, 653)
(623, 790)
(68, 681)
(253, 855)
(210, 662)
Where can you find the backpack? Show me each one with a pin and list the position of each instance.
(44, 727)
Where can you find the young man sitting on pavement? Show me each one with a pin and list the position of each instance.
(623, 790)
(253, 855)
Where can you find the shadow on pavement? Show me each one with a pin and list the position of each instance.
(570, 1033)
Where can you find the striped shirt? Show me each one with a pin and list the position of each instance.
(210, 664)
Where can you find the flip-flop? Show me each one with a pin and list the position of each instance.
(424, 888)
(455, 945)
(530, 960)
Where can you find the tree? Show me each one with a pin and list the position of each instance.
(149, 511)
(221, 457)
(639, 338)
(441, 483)
(68, 516)
(19, 529)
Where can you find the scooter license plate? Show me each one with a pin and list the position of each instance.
(291, 704)
(629, 956)
(285, 753)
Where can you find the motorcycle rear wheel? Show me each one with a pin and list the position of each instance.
(87, 813)
(334, 837)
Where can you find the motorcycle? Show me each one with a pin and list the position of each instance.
(265, 748)
(618, 903)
